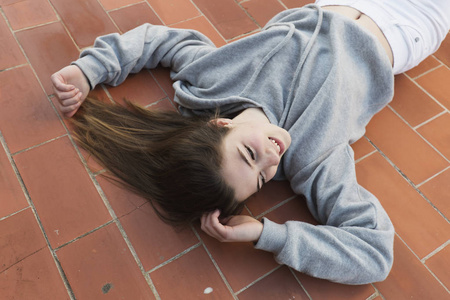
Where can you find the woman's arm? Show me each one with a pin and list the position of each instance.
(115, 56)
(355, 243)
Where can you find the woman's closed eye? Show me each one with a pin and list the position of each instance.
(250, 152)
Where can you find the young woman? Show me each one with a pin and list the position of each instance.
(292, 99)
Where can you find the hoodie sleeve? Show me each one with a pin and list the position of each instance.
(355, 243)
(115, 56)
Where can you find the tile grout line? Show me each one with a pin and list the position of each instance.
(429, 120)
(435, 251)
(427, 71)
(222, 276)
(16, 212)
(416, 132)
(299, 282)
(249, 15)
(396, 168)
(424, 90)
(125, 6)
(423, 263)
(259, 279)
(432, 177)
(38, 220)
(175, 257)
(275, 207)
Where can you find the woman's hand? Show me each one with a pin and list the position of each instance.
(71, 87)
(233, 229)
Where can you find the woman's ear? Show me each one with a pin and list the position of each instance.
(222, 122)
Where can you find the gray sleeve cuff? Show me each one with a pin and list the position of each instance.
(273, 237)
(92, 69)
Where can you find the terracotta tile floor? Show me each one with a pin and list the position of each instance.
(67, 233)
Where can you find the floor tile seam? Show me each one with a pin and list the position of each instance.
(420, 135)
(222, 276)
(63, 24)
(158, 84)
(432, 177)
(377, 291)
(284, 5)
(39, 145)
(15, 213)
(121, 7)
(174, 258)
(425, 90)
(156, 13)
(260, 26)
(435, 251)
(409, 181)
(276, 206)
(427, 71)
(299, 282)
(136, 258)
(217, 30)
(34, 26)
(422, 263)
(159, 101)
(37, 218)
(374, 295)
(415, 128)
(109, 16)
(14, 67)
(258, 280)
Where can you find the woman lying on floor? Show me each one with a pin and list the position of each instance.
(285, 103)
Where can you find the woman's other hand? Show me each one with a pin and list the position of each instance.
(233, 229)
(71, 87)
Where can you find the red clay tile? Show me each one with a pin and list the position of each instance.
(174, 11)
(11, 192)
(409, 279)
(20, 237)
(121, 199)
(415, 220)
(323, 289)
(11, 53)
(436, 83)
(437, 132)
(414, 105)
(427, 64)
(35, 277)
(138, 88)
(192, 276)
(408, 151)
(362, 147)
(48, 48)
(202, 25)
(270, 195)
(162, 76)
(132, 16)
(100, 265)
(227, 16)
(262, 10)
(437, 190)
(113, 4)
(155, 241)
(439, 264)
(85, 20)
(240, 263)
(26, 116)
(65, 198)
(29, 13)
(296, 3)
(281, 284)
(443, 53)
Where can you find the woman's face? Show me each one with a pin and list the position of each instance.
(252, 151)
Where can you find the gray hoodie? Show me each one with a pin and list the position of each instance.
(316, 74)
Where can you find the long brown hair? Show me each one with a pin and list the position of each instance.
(171, 160)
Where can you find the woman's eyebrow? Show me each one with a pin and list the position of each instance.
(250, 165)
